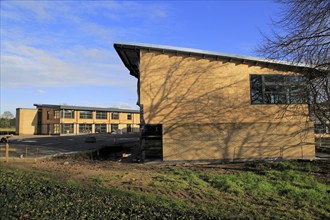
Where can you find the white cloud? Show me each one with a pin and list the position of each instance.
(41, 91)
(28, 66)
(58, 44)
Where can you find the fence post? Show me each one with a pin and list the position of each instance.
(7, 152)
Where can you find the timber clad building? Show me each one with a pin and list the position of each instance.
(63, 119)
(202, 105)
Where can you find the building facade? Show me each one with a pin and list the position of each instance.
(26, 121)
(74, 120)
(202, 105)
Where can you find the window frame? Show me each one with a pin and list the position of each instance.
(82, 128)
(65, 113)
(102, 130)
(57, 114)
(113, 130)
(288, 92)
(129, 116)
(86, 114)
(112, 115)
(71, 128)
(101, 114)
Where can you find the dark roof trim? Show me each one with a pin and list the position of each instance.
(85, 108)
(130, 57)
(123, 47)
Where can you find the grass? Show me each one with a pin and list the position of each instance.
(29, 195)
(13, 129)
(281, 190)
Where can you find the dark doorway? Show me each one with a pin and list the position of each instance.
(152, 141)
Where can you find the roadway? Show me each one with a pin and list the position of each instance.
(36, 146)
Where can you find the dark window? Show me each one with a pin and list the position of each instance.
(48, 115)
(86, 114)
(67, 129)
(67, 113)
(101, 115)
(321, 129)
(129, 116)
(85, 128)
(114, 115)
(100, 128)
(277, 89)
(114, 127)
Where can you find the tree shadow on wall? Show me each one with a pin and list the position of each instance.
(204, 108)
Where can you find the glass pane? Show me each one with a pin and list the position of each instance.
(277, 79)
(275, 88)
(295, 80)
(319, 128)
(256, 89)
(101, 115)
(115, 115)
(275, 98)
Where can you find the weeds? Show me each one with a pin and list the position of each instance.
(72, 183)
(284, 190)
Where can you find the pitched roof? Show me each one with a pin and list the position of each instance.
(130, 55)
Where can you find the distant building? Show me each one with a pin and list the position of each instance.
(26, 121)
(202, 105)
(74, 120)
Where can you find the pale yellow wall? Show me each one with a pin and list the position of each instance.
(205, 104)
(26, 121)
(122, 121)
(26, 126)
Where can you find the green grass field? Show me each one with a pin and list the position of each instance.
(281, 190)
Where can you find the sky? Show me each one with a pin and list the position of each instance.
(61, 52)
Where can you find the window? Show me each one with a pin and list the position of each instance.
(321, 129)
(67, 129)
(67, 113)
(86, 114)
(56, 128)
(277, 89)
(85, 128)
(114, 115)
(56, 114)
(100, 128)
(129, 128)
(101, 115)
(129, 116)
(114, 127)
(48, 115)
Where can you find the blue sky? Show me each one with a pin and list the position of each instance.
(61, 52)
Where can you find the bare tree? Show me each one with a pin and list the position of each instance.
(7, 115)
(302, 36)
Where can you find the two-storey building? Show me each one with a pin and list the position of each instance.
(64, 119)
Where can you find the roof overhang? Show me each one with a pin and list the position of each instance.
(85, 108)
(130, 55)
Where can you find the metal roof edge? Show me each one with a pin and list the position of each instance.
(205, 52)
(86, 108)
